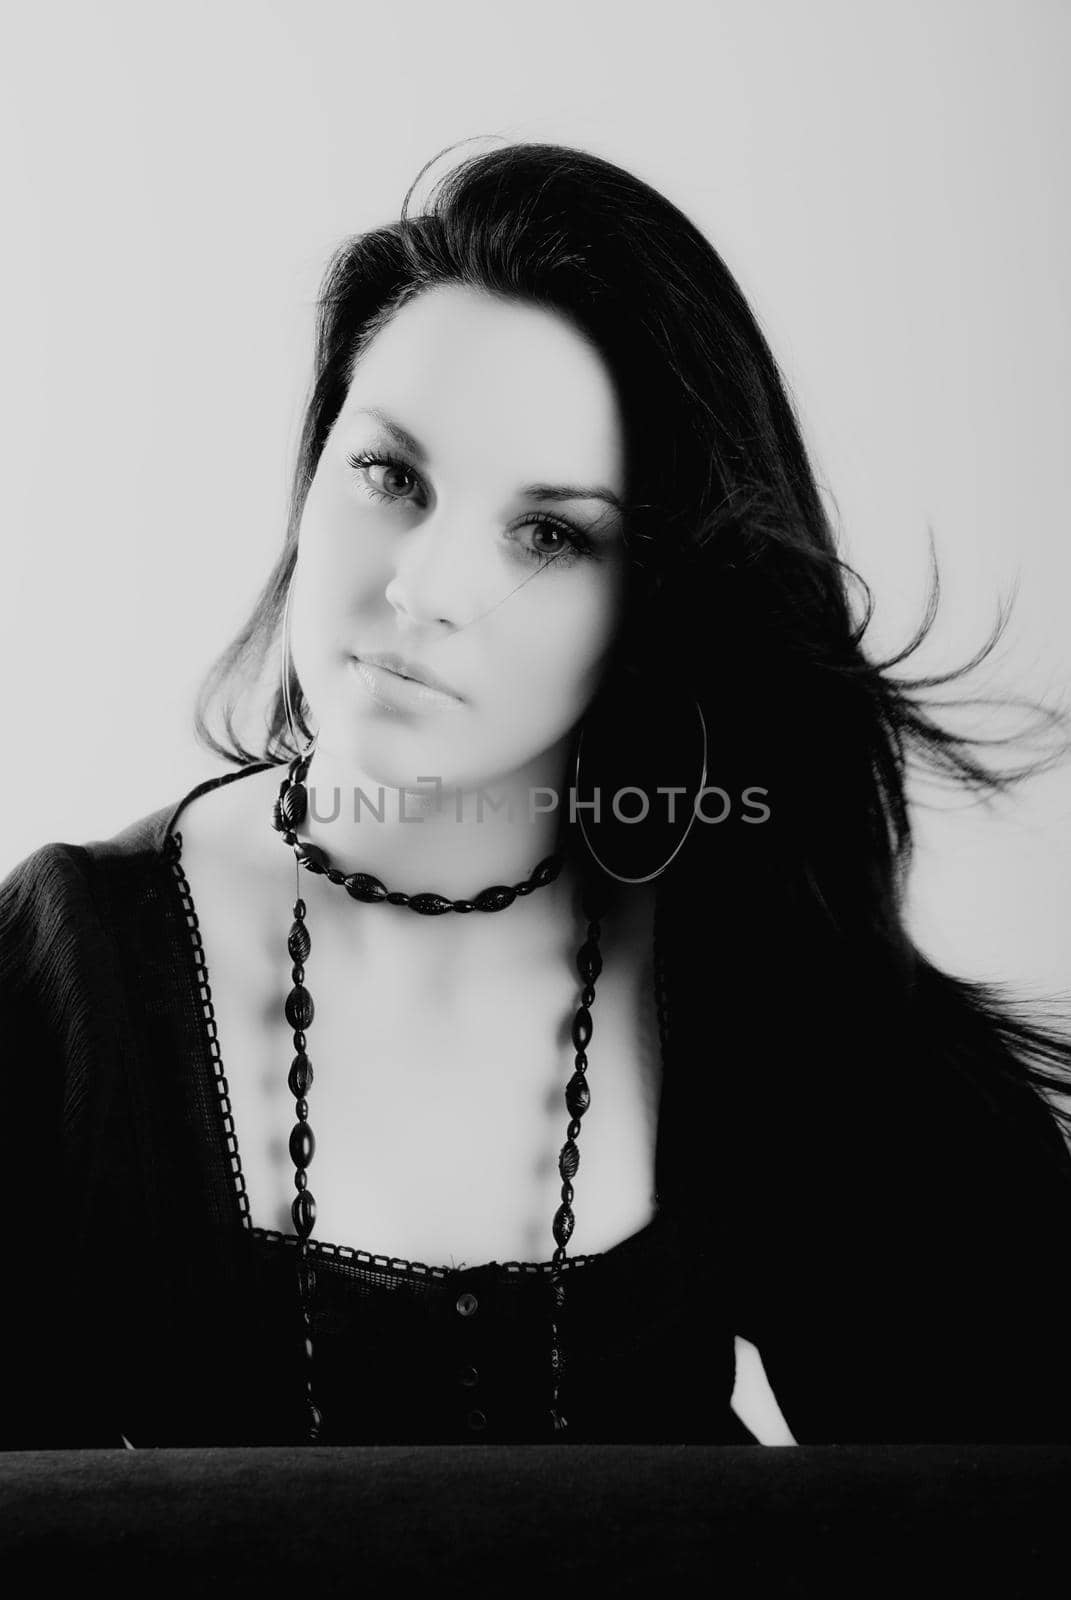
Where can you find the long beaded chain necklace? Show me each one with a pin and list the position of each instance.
(291, 807)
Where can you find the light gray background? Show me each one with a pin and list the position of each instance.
(888, 182)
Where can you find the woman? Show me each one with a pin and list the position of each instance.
(379, 1152)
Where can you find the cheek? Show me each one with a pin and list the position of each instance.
(556, 646)
(338, 523)
(317, 537)
(340, 559)
(585, 616)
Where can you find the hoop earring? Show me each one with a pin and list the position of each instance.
(285, 666)
(670, 859)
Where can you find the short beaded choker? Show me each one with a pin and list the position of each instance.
(291, 808)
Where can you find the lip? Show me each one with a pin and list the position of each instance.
(409, 669)
(390, 689)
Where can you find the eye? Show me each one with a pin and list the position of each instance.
(365, 462)
(575, 545)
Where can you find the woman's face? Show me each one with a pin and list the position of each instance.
(447, 553)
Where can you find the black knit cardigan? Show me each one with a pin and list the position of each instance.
(896, 1242)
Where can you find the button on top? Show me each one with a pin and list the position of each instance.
(467, 1304)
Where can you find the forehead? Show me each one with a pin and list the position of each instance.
(457, 359)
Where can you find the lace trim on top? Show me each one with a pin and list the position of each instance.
(172, 851)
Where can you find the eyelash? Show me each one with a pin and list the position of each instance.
(578, 545)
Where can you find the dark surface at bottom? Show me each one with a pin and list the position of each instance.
(516, 1520)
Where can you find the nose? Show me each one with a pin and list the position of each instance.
(439, 578)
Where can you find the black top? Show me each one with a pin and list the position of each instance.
(898, 1291)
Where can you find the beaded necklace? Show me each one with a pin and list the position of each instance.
(290, 810)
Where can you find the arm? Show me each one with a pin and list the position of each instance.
(753, 1400)
(923, 1294)
(47, 1011)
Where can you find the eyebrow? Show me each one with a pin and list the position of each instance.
(532, 491)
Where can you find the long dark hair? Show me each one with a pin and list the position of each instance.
(738, 591)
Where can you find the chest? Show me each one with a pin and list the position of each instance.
(438, 1115)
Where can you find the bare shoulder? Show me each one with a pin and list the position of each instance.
(230, 818)
(238, 874)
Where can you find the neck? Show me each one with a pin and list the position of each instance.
(433, 837)
(490, 844)
(455, 842)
